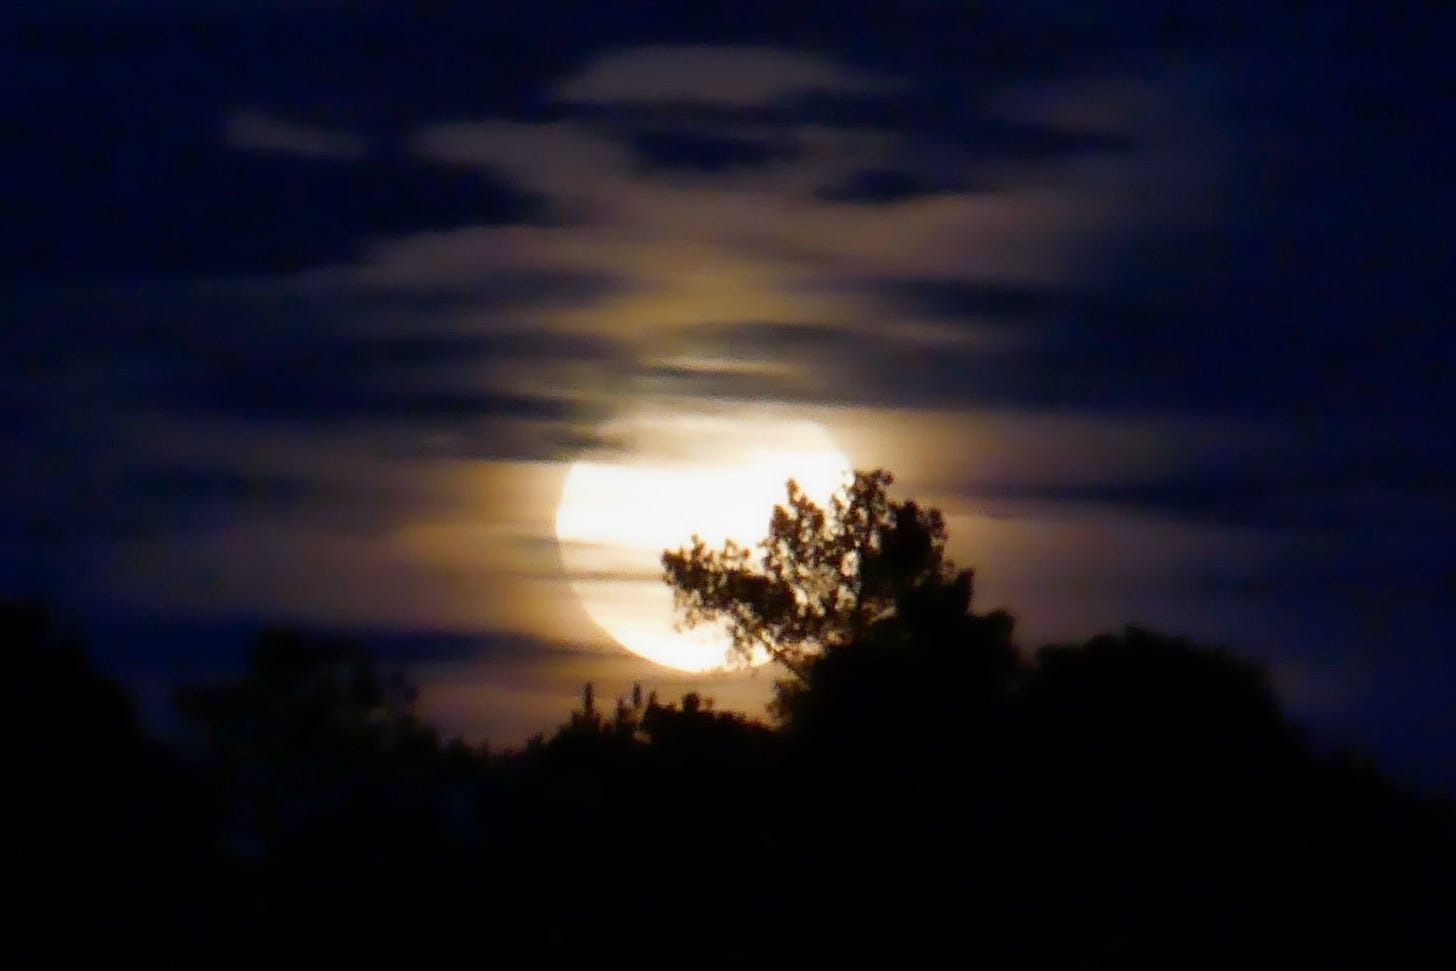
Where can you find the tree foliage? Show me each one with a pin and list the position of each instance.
(300, 691)
(311, 738)
(822, 578)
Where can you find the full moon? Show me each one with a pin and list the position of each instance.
(667, 478)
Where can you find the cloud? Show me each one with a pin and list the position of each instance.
(475, 390)
(259, 132)
(566, 162)
(445, 371)
(708, 75)
(739, 277)
(887, 185)
(142, 9)
(705, 150)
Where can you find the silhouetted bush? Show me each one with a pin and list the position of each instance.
(103, 835)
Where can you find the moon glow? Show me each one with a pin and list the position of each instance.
(675, 476)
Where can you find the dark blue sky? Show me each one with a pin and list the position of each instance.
(307, 305)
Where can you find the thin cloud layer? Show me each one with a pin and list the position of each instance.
(260, 132)
(703, 75)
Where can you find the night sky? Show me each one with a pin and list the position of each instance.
(307, 307)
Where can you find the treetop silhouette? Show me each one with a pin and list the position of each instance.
(823, 578)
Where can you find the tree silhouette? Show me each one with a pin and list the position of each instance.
(823, 578)
(1134, 800)
(868, 572)
(340, 804)
(99, 826)
(310, 734)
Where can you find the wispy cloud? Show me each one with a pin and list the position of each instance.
(261, 132)
(711, 75)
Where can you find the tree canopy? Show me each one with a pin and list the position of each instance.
(822, 578)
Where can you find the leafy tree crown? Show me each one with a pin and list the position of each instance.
(823, 577)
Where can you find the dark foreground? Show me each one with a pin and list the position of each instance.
(1132, 802)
